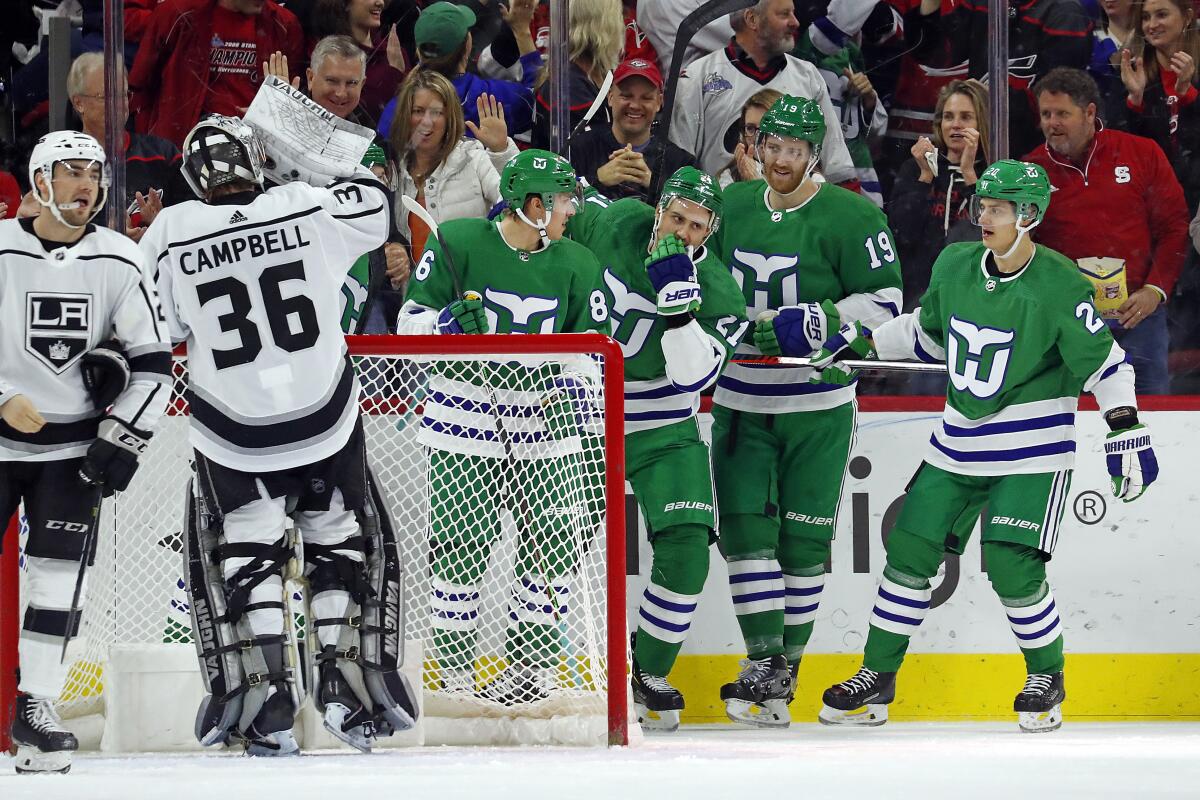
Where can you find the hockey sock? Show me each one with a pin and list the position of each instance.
(454, 611)
(902, 600)
(536, 631)
(669, 602)
(1018, 574)
(750, 543)
(50, 585)
(803, 560)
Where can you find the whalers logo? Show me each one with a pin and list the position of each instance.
(508, 312)
(767, 281)
(978, 357)
(633, 316)
(57, 328)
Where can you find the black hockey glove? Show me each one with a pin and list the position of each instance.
(113, 457)
(105, 373)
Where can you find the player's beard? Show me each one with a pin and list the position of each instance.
(781, 185)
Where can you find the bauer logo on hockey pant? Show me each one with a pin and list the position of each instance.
(808, 519)
(57, 328)
(688, 505)
(977, 357)
(1013, 522)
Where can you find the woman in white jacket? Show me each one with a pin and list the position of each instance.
(451, 176)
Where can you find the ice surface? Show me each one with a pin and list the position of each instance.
(899, 761)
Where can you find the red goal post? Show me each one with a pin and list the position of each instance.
(130, 605)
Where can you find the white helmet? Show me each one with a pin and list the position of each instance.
(220, 150)
(66, 146)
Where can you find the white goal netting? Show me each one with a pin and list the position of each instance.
(494, 474)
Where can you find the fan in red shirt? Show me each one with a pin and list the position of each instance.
(1118, 211)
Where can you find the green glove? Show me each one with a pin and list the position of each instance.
(852, 341)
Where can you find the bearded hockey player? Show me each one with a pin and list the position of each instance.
(1015, 325)
(678, 314)
(77, 411)
(495, 435)
(251, 280)
(808, 257)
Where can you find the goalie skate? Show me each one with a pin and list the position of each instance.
(761, 693)
(860, 701)
(1039, 703)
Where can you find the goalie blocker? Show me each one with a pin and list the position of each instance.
(367, 695)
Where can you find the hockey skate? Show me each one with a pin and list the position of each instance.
(43, 744)
(1039, 703)
(761, 693)
(656, 701)
(518, 684)
(859, 701)
(270, 735)
(345, 716)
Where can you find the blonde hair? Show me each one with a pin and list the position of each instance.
(81, 68)
(974, 91)
(597, 33)
(763, 98)
(401, 132)
(1143, 49)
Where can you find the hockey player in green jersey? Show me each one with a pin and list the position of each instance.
(808, 257)
(678, 314)
(493, 433)
(1015, 325)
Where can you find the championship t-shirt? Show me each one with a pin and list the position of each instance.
(233, 74)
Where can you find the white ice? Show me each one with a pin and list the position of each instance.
(923, 761)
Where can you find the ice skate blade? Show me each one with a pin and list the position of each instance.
(872, 715)
(1040, 721)
(767, 714)
(285, 745)
(335, 717)
(659, 721)
(31, 761)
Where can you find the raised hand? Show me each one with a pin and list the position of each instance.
(277, 65)
(969, 153)
(1133, 75)
(1184, 67)
(860, 85)
(492, 130)
(919, 151)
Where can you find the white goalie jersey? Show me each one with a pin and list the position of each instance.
(254, 285)
(58, 302)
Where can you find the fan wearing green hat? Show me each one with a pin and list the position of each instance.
(808, 258)
(1014, 323)
(513, 275)
(677, 314)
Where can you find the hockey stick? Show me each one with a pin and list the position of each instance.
(688, 28)
(89, 544)
(852, 363)
(605, 85)
(413, 207)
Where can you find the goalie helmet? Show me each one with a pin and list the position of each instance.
(221, 150)
(792, 117)
(538, 172)
(60, 146)
(689, 183)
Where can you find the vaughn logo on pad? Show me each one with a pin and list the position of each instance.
(57, 327)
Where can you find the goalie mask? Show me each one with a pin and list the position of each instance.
(221, 150)
(64, 146)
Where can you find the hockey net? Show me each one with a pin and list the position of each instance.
(508, 510)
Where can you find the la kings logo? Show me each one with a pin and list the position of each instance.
(633, 316)
(508, 312)
(57, 328)
(978, 357)
(767, 281)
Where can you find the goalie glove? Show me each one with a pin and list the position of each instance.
(465, 315)
(852, 341)
(795, 330)
(1129, 455)
(673, 276)
(105, 373)
(112, 458)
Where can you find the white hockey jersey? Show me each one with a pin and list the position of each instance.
(709, 100)
(55, 305)
(253, 283)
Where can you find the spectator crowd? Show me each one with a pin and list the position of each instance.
(1101, 93)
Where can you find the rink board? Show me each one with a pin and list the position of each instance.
(1124, 578)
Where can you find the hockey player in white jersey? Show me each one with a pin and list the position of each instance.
(76, 413)
(251, 279)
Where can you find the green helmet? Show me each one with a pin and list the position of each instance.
(697, 187)
(796, 118)
(537, 172)
(1021, 183)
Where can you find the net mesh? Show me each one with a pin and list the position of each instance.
(493, 473)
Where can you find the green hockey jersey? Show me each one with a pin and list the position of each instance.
(836, 246)
(1018, 348)
(552, 290)
(618, 233)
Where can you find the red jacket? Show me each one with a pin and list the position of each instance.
(170, 75)
(1123, 201)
